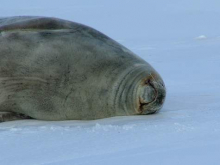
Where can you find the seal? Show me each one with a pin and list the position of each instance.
(54, 69)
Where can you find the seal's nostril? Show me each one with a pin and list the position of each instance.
(147, 81)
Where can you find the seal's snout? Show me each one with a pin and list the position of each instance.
(147, 94)
(152, 96)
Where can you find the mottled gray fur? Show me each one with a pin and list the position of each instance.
(53, 69)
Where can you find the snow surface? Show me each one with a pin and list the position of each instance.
(181, 39)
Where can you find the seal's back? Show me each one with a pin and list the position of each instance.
(38, 23)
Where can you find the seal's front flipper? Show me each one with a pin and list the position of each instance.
(10, 116)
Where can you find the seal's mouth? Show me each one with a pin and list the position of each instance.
(151, 96)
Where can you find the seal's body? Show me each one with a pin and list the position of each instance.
(52, 69)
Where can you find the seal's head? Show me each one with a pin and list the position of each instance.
(141, 92)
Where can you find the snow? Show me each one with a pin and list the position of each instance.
(181, 40)
(201, 37)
